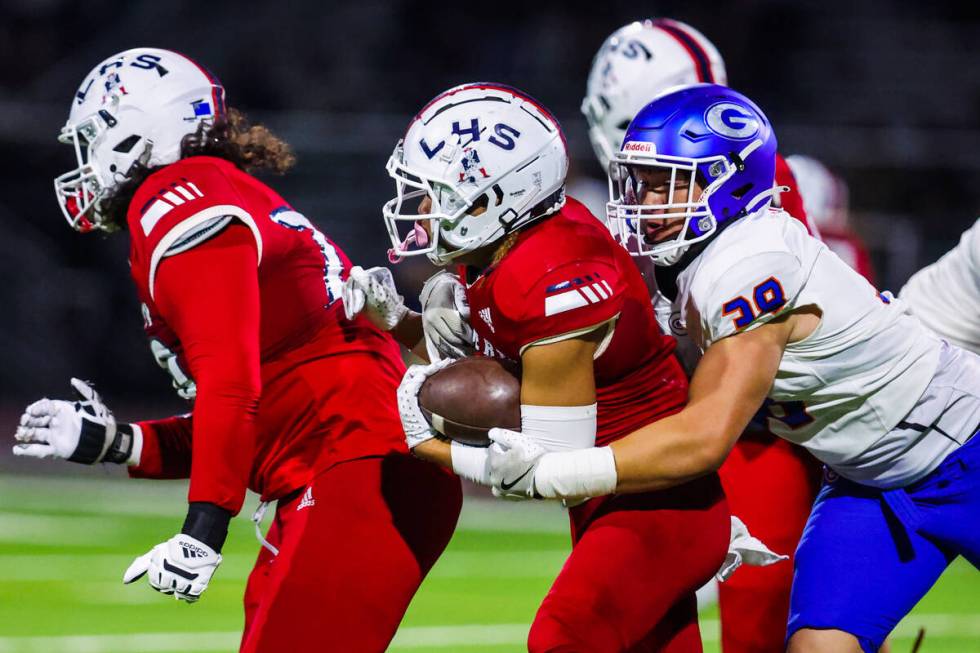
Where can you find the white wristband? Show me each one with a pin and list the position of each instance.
(471, 462)
(137, 449)
(576, 474)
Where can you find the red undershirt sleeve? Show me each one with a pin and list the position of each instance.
(209, 295)
(166, 452)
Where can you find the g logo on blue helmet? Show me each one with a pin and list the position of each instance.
(731, 121)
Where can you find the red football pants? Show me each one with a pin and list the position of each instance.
(352, 553)
(636, 561)
(770, 485)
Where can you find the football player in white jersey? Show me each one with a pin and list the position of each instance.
(770, 483)
(945, 296)
(846, 372)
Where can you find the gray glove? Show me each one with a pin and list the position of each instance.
(445, 318)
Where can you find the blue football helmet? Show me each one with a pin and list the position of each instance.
(702, 154)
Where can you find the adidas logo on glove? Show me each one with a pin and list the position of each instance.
(191, 551)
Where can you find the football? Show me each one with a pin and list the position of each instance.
(471, 396)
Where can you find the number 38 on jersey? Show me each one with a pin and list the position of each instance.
(767, 297)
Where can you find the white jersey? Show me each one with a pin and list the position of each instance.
(946, 294)
(842, 391)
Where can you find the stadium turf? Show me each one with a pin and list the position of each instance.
(64, 544)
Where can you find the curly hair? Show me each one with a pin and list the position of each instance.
(252, 148)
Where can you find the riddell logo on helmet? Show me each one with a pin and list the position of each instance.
(639, 146)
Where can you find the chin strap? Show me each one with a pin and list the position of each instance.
(756, 202)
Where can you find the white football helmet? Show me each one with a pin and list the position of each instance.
(825, 195)
(475, 146)
(635, 64)
(134, 107)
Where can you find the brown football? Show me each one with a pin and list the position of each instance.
(468, 398)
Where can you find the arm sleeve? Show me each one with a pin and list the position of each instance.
(210, 297)
(166, 452)
(747, 294)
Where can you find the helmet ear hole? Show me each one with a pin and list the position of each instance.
(623, 125)
(126, 144)
(499, 194)
(481, 203)
(742, 191)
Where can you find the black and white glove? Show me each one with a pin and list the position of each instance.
(184, 564)
(81, 431)
(445, 317)
(373, 293)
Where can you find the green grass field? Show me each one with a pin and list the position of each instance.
(64, 544)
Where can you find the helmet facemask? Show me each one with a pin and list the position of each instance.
(79, 191)
(463, 216)
(415, 233)
(685, 209)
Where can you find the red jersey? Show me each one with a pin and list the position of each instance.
(326, 385)
(565, 276)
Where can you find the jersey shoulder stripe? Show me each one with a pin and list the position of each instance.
(179, 231)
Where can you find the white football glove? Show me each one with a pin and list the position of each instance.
(743, 548)
(82, 431)
(417, 428)
(513, 460)
(521, 466)
(445, 317)
(373, 292)
(181, 566)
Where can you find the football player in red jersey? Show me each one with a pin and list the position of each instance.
(770, 483)
(241, 300)
(548, 287)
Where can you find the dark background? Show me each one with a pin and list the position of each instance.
(886, 93)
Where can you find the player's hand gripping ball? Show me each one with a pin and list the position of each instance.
(466, 399)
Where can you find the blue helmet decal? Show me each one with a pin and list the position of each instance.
(731, 120)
